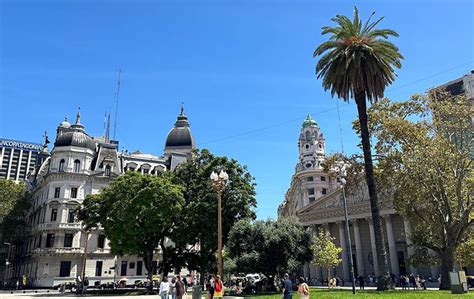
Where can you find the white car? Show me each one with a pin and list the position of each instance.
(254, 277)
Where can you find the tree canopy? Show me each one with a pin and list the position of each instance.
(269, 247)
(425, 146)
(138, 213)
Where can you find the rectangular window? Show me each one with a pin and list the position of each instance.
(65, 269)
(74, 192)
(132, 265)
(311, 191)
(324, 191)
(101, 241)
(57, 192)
(139, 267)
(70, 216)
(68, 240)
(309, 179)
(311, 199)
(123, 268)
(39, 240)
(54, 214)
(323, 179)
(50, 240)
(98, 268)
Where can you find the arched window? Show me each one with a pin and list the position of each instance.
(61, 165)
(77, 166)
(107, 170)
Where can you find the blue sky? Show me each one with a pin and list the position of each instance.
(243, 68)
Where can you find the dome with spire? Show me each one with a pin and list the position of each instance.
(74, 135)
(309, 122)
(180, 135)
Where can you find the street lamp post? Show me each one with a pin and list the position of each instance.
(218, 183)
(346, 228)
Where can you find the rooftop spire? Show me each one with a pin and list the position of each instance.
(78, 116)
(309, 122)
(182, 109)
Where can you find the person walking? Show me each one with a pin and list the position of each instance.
(85, 285)
(210, 287)
(179, 287)
(173, 288)
(286, 287)
(303, 288)
(218, 288)
(164, 288)
(361, 282)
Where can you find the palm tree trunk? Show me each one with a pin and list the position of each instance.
(384, 276)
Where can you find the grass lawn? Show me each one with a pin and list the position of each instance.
(325, 293)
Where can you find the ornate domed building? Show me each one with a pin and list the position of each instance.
(77, 166)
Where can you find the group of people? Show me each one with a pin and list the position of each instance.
(214, 287)
(287, 288)
(176, 288)
(416, 282)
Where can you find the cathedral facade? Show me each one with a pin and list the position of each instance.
(316, 200)
(58, 250)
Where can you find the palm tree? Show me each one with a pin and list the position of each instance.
(358, 63)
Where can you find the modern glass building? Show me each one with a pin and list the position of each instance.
(17, 158)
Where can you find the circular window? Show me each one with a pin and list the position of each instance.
(308, 165)
(320, 146)
(306, 146)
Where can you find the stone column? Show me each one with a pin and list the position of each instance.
(410, 249)
(372, 245)
(358, 245)
(345, 260)
(392, 247)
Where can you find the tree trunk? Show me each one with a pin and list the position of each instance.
(447, 265)
(384, 281)
(166, 266)
(148, 261)
(329, 274)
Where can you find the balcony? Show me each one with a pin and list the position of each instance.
(60, 250)
(57, 226)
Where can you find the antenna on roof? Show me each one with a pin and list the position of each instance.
(107, 127)
(117, 101)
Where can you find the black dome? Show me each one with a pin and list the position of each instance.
(179, 136)
(75, 138)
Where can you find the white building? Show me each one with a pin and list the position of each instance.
(80, 165)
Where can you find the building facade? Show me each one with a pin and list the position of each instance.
(58, 250)
(18, 159)
(315, 199)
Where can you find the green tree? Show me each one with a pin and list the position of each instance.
(137, 212)
(424, 148)
(15, 202)
(198, 220)
(325, 252)
(10, 194)
(269, 247)
(359, 63)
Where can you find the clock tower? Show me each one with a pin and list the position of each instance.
(312, 148)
